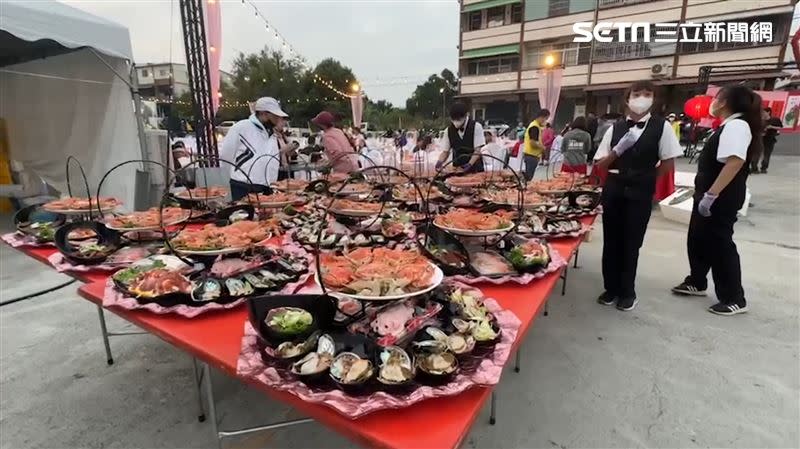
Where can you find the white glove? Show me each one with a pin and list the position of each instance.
(626, 142)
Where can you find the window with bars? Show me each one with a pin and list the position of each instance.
(495, 17)
(474, 20)
(624, 47)
(516, 13)
(558, 8)
(489, 66)
(567, 54)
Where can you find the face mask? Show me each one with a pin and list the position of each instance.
(640, 105)
(458, 123)
(713, 109)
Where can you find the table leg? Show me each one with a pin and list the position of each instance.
(546, 307)
(564, 281)
(492, 410)
(212, 410)
(212, 414)
(516, 360)
(104, 330)
(198, 384)
(577, 252)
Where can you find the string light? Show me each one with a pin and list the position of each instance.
(288, 48)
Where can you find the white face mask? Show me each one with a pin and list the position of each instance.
(640, 105)
(713, 108)
(458, 123)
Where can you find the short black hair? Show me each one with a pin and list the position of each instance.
(542, 113)
(639, 86)
(579, 123)
(458, 110)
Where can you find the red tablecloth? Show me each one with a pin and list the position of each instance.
(215, 338)
(665, 184)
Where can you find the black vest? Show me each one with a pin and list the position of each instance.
(637, 166)
(463, 147)
(732, 196)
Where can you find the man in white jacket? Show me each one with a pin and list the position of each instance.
(252, 147)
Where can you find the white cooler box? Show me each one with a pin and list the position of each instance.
(682, 211)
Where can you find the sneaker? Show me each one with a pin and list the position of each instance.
(685, 288)
(627, 304)
(606, 299)
(764, 171)
(727, 309)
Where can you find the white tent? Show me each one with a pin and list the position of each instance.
(64, 92)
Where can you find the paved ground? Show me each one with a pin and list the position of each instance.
(668, 374)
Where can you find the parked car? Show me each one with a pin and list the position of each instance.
(223, 127)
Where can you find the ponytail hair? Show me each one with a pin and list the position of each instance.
(741, 99)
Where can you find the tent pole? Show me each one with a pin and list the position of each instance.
(137, 105)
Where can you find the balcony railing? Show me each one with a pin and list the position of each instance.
(614, 3)
(620, 51)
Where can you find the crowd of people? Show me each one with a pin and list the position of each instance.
(633, 150)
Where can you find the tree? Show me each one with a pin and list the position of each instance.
(432, 99)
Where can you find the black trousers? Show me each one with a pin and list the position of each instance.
(710, 247)
(769, 145)
(625, 219)
(240, 189)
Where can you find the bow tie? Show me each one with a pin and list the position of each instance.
(632, 123)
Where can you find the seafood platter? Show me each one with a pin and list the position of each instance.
(169, 280)
(513, 258)
(81, 206)
(391, 355)
(201, 194)
(377, 274)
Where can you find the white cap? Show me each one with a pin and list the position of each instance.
(271, 105)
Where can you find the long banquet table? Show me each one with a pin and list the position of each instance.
(216, 338)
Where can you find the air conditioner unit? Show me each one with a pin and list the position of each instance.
(660, 70)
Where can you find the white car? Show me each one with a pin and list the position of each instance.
(223, 127)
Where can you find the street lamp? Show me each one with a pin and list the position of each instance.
(549, 60)
(355, 87)
(441, 91)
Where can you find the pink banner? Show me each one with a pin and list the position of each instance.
(214, 44)
(357, 103)
(549, 86)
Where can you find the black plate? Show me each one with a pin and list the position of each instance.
(107, 237)
(36, 214)
(440, 237)
(507, 244)
(573, 197)
(321, 307)
(222, 217)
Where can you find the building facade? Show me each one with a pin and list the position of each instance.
(505, 43)
(164, 80)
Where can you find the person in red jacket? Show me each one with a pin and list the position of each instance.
(548, 136)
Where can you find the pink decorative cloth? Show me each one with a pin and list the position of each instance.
(486, 372)
(62, 265)
(18, 239)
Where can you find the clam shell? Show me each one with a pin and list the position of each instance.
(349, 368)
(326, 345)
(207, 290)
(438, 363)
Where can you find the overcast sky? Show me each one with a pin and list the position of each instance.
(377, 39)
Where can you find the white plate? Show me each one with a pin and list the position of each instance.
(145, 228)
(472, 233)
(79, 211)
(185, 196)
(438, 276)
(211, 252)
(353, 213)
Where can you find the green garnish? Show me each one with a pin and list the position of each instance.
(129, 274)
(292, 321)
(91, 249)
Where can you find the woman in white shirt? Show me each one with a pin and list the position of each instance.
(493, 153)
(720, 189)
